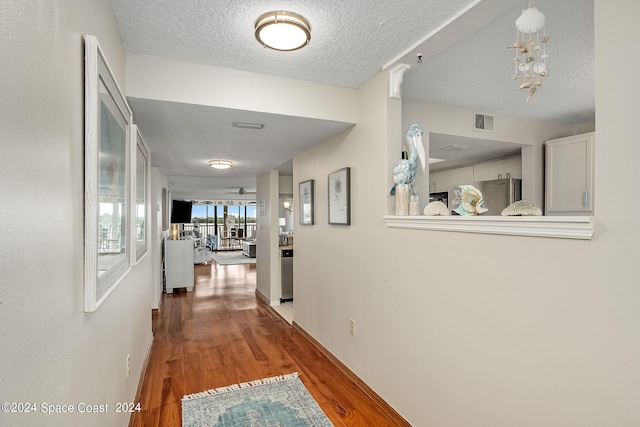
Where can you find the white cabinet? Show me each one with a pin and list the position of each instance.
(569, 166)
(487, 171)
(513, 167)
(178, 255)
(444, 180)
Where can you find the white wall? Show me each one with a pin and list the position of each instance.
(51, 351)
(458, 329)
(285, 184)
(267, 255)
(166, 79)
(285, 191)
(158, 182)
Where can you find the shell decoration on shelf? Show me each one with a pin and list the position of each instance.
(522, 208)
(436, 208)
(469, 200)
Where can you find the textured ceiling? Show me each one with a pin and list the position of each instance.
(476, 72)
(351, 42)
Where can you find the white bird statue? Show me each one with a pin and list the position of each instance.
(405, 170)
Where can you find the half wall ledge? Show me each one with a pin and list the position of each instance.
(562, 227)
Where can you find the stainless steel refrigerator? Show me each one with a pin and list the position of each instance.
(286, 275)
(499, 193)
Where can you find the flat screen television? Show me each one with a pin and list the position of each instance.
(180, 212)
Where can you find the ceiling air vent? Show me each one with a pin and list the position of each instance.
(483, 122)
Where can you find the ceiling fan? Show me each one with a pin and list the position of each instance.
(241, 192)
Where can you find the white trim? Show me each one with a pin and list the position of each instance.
(563, 227)
(395, 79)
(431, 34)
(137, 142)
(97, 70)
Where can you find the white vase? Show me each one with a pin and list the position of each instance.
(414, 206)
(402, 199)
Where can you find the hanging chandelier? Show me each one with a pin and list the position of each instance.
(530, 47)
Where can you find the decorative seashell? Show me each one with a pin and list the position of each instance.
(539, 68)
(531, 59)
(516, 77)
(470, 201)
(524, 50)
(544, 56)
(530, 21)
(537, 83)
(545, 38)
(544, 73)
(536, 48)
(530, 76)
(517, 45)
(525, 85)
(522, 208)
(531, 43)
(518, 58)
(531, 92)
(436, 208)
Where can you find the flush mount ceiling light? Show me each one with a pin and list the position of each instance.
(283, 31)
(220, 164)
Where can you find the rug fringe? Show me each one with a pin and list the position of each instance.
(233, 387)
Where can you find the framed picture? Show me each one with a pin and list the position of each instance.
(339, 191)
(140, 189)
(107, 184)
(305, 194)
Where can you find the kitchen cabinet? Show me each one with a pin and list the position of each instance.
(569, 170)
(444, 180)
(494, 169)
(179, 264)
(513, 167)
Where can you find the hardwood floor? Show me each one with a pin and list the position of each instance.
(220, 334)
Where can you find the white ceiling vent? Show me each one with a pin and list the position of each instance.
(483, 122)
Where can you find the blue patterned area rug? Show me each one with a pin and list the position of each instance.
(279, 401)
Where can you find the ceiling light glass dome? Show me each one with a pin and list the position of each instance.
(283, 31)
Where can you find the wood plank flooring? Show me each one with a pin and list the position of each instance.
(220, 334)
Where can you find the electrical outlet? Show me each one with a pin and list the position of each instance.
(128, 365)
(352, 327)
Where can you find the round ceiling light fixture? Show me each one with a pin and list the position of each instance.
(283, 31)
(220, 164)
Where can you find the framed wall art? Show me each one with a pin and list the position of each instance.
(107, 178)
(305, 195)
(141, 190)
(339, 193)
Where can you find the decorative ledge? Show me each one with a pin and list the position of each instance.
(562, 227)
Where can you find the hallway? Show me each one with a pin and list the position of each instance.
(219, 334)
